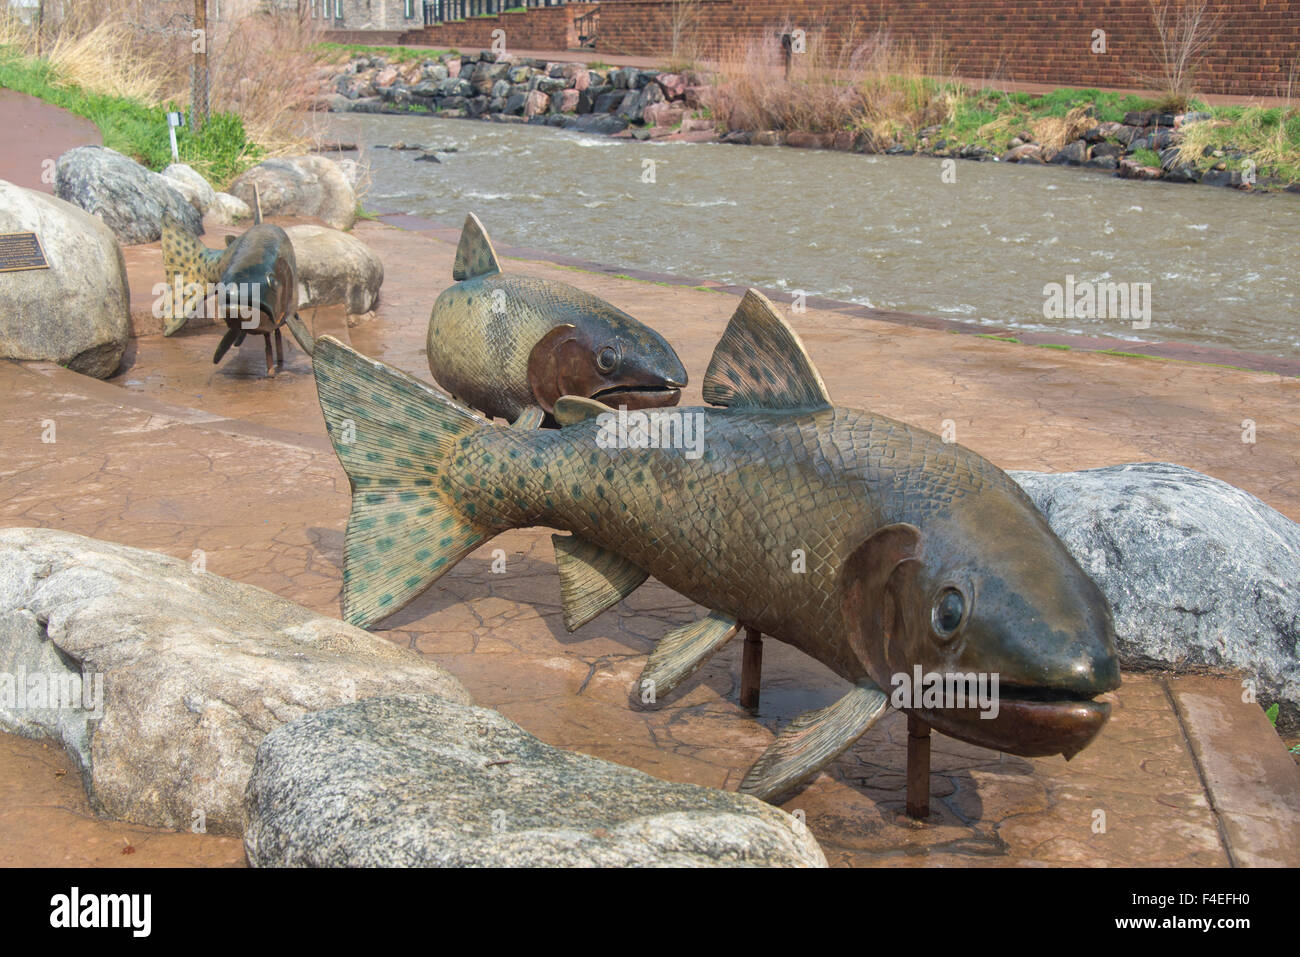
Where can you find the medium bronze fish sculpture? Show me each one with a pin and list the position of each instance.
(255, 281)
(510, 346)
(917, 553)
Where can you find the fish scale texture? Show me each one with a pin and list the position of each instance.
(722, 528)
(432, 481)
(482, 331)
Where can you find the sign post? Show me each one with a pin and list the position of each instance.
(174, 119)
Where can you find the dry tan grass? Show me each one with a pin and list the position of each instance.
(263, 67)
(103, 60)
(1053, 132)
(876, 85)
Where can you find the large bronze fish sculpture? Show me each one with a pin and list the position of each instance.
(255, 280)
(918, 554)
(510, 346)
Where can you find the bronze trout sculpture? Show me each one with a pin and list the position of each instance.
(510, 346)
(255, 279)
(919, 553)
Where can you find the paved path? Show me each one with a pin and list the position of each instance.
(35, 134)
(175, 454)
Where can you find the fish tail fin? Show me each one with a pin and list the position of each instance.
(395, 437)
(186, 263)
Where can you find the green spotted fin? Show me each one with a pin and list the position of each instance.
(187, 261)
(760, 362)
(475, 256)
(591, 579)
(812, 741)
(682, 651)
(393, 434)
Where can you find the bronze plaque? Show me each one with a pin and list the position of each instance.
(20, 251)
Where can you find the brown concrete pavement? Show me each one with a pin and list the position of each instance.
(35, 135)
(176, 455)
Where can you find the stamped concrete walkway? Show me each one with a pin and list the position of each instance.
(177, 455)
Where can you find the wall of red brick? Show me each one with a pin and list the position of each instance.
(1254, 48)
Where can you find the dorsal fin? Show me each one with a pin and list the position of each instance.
(474, 256)
(760, 362)
(577, 408)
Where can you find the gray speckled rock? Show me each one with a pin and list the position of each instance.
(413, 780)
(300, 186)
(191, 185)
(1200, 574)
(334, 267)
(127, 197)
(76, 312)
(227, 209)
(194, 670)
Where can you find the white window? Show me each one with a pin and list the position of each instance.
(410, 9)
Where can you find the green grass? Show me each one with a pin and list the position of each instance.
(1130, 355)
(220, 152)
(989, 335)
(1270, 136)
(1054, 345)
(1147, 157)
(391, 54)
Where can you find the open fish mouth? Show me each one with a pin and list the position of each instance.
(1030, 722)
(639, 396)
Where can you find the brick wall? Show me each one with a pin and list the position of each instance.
(1255, 45)
(536, 28)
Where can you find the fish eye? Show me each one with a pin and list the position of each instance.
(948, 612)
(607, 359)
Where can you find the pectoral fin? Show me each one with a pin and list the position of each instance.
(812, 741)
(233, 337)
(306, 341)
(531, 418)
(682, 651)
(591, 579)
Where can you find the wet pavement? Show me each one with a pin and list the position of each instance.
(178, 455)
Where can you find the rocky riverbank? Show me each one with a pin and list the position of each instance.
(648, 104)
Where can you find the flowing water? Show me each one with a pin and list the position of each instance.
(1214, 266)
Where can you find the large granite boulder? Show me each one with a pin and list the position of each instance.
(227, 209)
(129, 199)
(300, 186)
(191, 185)
(171, 677)
(1201, 575)
(335, 267)
(77, 312)
(414, 780)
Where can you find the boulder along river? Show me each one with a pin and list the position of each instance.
(1203, 265)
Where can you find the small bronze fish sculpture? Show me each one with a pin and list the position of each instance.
(510, 346)
(918, 553)
(255, 279)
